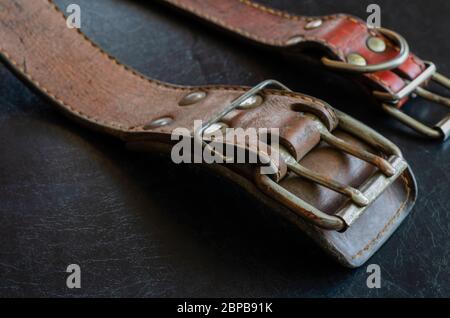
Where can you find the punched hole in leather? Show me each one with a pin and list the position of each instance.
(102, 94)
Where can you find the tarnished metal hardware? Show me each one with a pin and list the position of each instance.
(389, 65)
(354, 194)
(356, 59)
(442, 129)
(160, 122)
(409, 88)
(251, 102)
(214, 128)
(370, 190)
(314, 24)
(192, 98)
(344, 146)
(346, 216)
(376, 44)
(389, 170)
(198, 134)
(295, 40)
(299, 206)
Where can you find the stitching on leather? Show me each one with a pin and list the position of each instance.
(272, 11)
(338, 51)
(134, 73)
(226, 25)
(300, 18)
(389, 224)
(262, 8)
(207, 88)
(53, 96)
(170, 86)
(331, 113)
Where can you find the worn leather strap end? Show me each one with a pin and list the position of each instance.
(356, 244)
(366, 236)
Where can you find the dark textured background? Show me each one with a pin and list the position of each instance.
(141, 226)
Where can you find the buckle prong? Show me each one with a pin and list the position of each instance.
(433, 97)
(362, 154)
(389, 170)
(442, 80)
(442, 129)
(354, 194)
(436, 133)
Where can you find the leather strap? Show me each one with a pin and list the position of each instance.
(96, 88)
(99, 92)
(338, 36)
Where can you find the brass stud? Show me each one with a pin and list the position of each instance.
(252, 101)
(192, 98)
(314, 24)
(294, 40)
(356, 59)
(376, 44)
(163, 121)
(214, 128)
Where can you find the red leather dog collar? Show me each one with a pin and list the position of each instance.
(341, 43)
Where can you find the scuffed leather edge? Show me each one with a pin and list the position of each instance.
(407, 178)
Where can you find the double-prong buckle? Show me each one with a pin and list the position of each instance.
(388, 169)
(442, 129)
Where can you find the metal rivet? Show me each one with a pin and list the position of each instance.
(314, 24)
(214, 128)
(356, 59)
(163, 121)
(192, 98)
(376, 44)
(294, 40)
(253, 101)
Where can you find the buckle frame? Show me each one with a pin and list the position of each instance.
(389, 170)
(439, 131)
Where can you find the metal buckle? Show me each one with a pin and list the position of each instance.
(442, 129)
(389, 65)
(388, 170)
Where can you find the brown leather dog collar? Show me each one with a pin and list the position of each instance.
(341, 43)
(99, 92)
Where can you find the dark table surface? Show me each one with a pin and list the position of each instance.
(141, 226)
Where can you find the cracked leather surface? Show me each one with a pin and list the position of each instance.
(141, 226)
